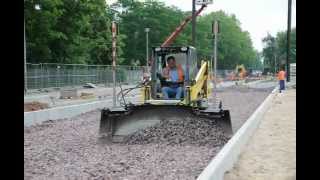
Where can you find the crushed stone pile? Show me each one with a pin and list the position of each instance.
(190, 131)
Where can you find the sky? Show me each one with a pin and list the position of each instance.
(258, 17)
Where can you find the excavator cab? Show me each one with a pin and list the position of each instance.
(184, 57)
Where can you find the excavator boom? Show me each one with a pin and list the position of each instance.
(175, 33)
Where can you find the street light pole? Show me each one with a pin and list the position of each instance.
(114, 47)
(288, 39)
(215, 51)
(147, 46)
(275, 63)
(25, 58)
(193, 23)
(37, 7)
(275, 47)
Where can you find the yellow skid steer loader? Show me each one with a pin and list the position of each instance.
(119, 122)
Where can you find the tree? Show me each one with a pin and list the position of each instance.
(234, 45)
(270, 52)
(275, 49)
(39, 28)
(69, 31)
(258, 64)
(152, 14)
(282, 45)
(79, 31)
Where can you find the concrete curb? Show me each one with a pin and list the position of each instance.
(62, 112)
(37, 98)
(229, 154)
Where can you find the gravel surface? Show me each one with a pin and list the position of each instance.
(70, 149)
(242, 102)
(190, 131)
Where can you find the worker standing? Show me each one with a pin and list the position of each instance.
(281, 78)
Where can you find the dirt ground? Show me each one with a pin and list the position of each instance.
(34, 106)
(70, 149)
(271, 152)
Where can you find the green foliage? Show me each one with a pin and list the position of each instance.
(269, 51)
(234, 45)
(78, 31)
(68, 31)
(275, 49)
(150, 14)
(282, 45)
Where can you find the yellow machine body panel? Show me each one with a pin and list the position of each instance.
(200, 86)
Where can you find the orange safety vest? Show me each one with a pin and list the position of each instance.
(281, 75)
(180, 72)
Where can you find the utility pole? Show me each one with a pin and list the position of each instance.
(275, 63)
(193, 23)
(25, 57)
(114, 48)
(288, 40)
(215, 37)
(147, 47)
(275, 47)
(37, 7)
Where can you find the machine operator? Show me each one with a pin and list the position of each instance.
(174, 74)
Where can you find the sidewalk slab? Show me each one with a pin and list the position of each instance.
(271, 151)
(229, 154)
(37, 117)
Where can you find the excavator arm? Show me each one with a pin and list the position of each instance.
(175, 33)
(200, 80)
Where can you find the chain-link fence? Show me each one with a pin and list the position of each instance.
(293, 72)
(224, 74)
(51, 75)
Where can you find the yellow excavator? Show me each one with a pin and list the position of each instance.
(240, 75)
(118, 122)
(240, 72)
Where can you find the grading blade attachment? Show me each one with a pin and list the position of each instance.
(117, 123)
